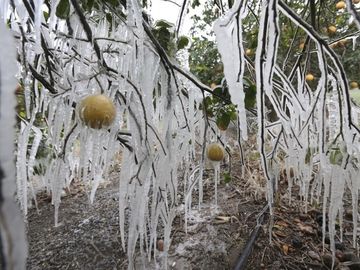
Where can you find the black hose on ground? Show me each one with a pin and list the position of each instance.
(242, 261)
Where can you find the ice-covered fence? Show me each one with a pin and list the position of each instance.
(12, 229)
(315, 132)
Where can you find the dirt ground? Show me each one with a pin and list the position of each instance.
(89, 237)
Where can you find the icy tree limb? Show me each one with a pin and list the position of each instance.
(13, 247)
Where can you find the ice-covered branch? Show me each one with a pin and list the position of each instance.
(315, 122)
(12, 227)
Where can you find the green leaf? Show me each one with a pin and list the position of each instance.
(46, 15)
(88, 5)
(109, 18)
(22, 114)
(336, 156)
(250, 96)
(223, 120)
(114, 3)
(63, 9)
(163, 24)
(233, 116)
(183, 41)
(208, 106)
(195, 3)
(227, 177)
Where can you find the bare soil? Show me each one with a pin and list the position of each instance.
(89, 237)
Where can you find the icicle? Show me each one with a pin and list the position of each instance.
(12, 228)
(229, 38)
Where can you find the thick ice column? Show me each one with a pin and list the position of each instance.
(13, 247)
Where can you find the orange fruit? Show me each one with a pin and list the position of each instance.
(309, 77)
(340, 5)
(248, 52)
(97, 111)
(354, 85)
(215, 152)
(332, 29)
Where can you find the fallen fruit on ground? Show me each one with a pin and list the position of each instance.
(97, 111)
(215, 152)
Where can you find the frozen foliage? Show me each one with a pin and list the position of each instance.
(156, 129)
(12, 229)
(158, 124)
(316, 135)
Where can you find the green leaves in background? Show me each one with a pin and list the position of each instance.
(336, 156)
(195, 3)
(250, 96)
(63, 9)
(182, 42)
(227, 177)
(223, 119)
(217, 106)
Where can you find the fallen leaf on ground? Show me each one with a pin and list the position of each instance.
(305, 228)
(313, 255)
(279, 233)
(222, 219)
(285, 249)
(281, 223)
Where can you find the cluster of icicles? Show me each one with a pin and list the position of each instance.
(161, 126)
(157, 130)
(316, 135)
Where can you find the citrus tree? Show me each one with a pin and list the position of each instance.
(104, 80)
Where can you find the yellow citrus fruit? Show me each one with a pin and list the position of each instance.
(332, 29)
(97, 111)
(354, 85)
(340, 5)
(215, 152)
(213, 85)
(309, 77)
(248, 52)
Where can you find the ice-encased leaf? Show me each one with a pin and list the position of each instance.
(63, 9)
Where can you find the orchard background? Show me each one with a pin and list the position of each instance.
(138, 144)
